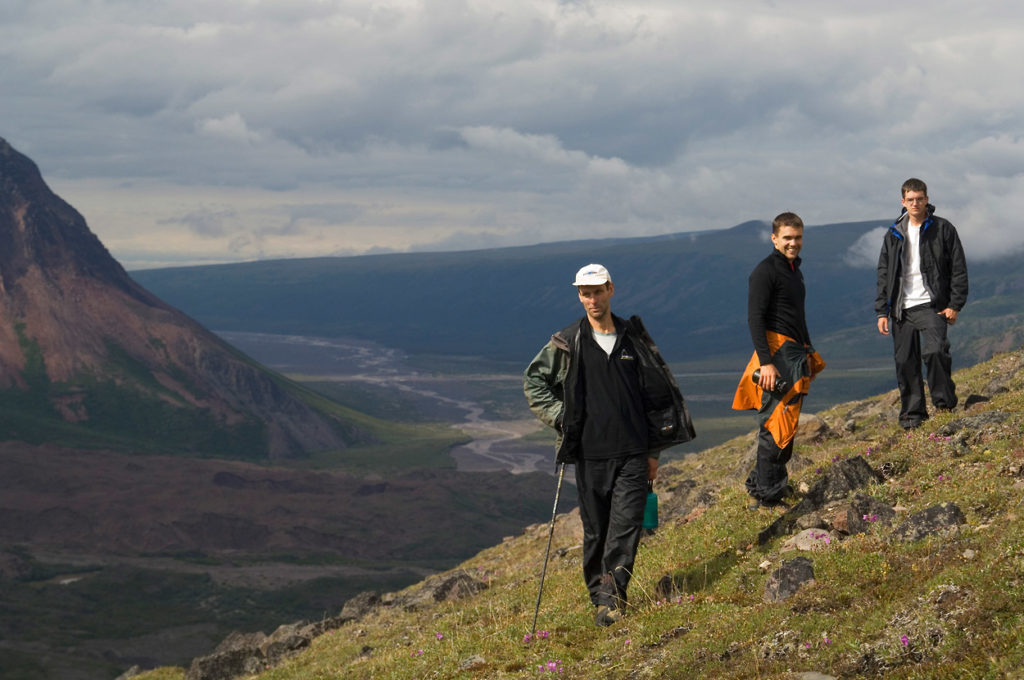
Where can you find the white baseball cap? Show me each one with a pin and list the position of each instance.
(592, 275)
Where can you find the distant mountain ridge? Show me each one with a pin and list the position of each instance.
(87, 354)
(504, 303)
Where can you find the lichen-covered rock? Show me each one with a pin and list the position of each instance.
(941, 519)
(788, 579)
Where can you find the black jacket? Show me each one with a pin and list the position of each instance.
(775, 302)
(551, 384)
(943, 266)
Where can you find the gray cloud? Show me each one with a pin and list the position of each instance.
(451, 124)
(204, 222)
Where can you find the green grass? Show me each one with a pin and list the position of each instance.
(948, 607)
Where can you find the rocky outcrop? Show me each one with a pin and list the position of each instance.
(838, 482)
(242, 654)
(251, 653)
(437, 588)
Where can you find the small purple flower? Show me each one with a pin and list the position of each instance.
(905, 640)
(551, 667)
(439, 636)
(526, 639)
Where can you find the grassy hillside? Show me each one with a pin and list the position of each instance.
(939, 607)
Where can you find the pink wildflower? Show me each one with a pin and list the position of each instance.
(551, 667)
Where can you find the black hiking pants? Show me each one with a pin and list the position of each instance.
(769, 480)
(612, 496)
(921, 335)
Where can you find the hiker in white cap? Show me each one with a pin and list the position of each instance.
(602, 385)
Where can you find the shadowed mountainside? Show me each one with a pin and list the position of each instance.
(87, 356)
(504, 303)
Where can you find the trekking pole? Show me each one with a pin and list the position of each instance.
(547, 551)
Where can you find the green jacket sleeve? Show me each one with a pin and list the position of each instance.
(543, 384)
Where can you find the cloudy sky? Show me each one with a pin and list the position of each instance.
(224, 130)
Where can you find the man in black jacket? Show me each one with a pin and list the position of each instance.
(783, 356)
(604, 388)
(922, 286)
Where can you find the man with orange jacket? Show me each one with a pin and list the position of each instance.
(784, 357)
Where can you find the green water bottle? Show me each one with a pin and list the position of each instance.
(650, 522)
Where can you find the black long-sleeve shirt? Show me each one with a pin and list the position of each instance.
(775, 302)
(611, 405)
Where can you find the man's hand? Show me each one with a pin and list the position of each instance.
(769, 374)
(883, 325)
(652, 469)
(950, 314)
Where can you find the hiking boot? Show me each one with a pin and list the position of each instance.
(606, 616)
(757, 504)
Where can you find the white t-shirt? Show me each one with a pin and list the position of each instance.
(606, 340)
(914, 291)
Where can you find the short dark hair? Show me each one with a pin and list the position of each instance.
(787, 219)
(913, 184)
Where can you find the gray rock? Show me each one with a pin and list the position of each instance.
(788, 578)
(973, 423)
(812, 429)
(437, 588)
(473, 663)
(250, 653)
(810, 540)
(811, 520)
(359, 606)
(974, 399)
(939, 519)
(284, 641)
(862, 513)
(841, 479)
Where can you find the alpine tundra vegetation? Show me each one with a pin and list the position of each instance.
(902, 558)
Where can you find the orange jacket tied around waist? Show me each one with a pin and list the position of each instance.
(784, 417)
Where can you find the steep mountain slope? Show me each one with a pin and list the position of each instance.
(916, 570)
(89, 356)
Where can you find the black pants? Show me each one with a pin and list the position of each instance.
(612, 495)
(769, 478)
(921, 334)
